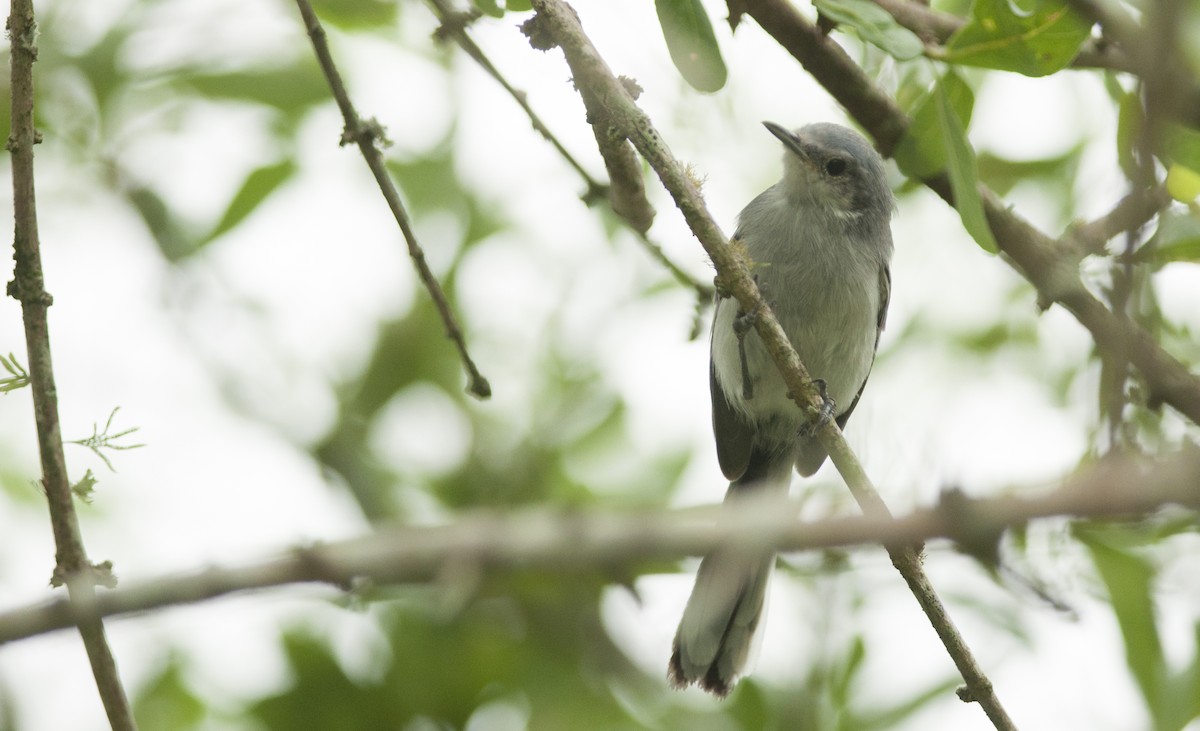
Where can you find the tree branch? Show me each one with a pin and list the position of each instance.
(551, 540)
(626, 194)
(1132, 212)
(612, 108)
(28, 286)
(1049, 265)
(366, 134)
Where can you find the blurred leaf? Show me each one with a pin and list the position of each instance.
(291, 89)
(1033, 37)
(890, 718)
(166, 229)
(1181, 153)
(1002, 175)
(1177, 239)
(960, 159)
(166, 701)
(490, 7)
(322, 696)
(692, 44)
(1183, 183)
(1129, 128)
(921, 152)
(846, 671)
(874, 25)
(357, 14)
(518, 6)
(255, 188)
(1129, 578)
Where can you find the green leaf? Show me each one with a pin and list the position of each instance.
(174, 243)
(1002, 175)
(1183, 183)
(357, 14)
(166, 701)
(1034, 37)
(518, 6)
(692, 44)
(1177, 239)
(961, 168)
(874, 25)
(1129, 127)
(290, 89)
(255, 188)
(490, 7)
(1129, 579)
(1181, 146)
(921, 152)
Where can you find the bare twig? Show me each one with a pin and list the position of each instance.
(628, 200)
(1132, 212)
(610, 106)
(1049, 265)
(454, 26)
(367, 134)
(28, 286)
(550, 540)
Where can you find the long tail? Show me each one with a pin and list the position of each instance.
(716, 635)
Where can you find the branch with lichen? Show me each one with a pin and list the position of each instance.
(72, 566)
(1050, 265)
(611, 107)
(548, 540)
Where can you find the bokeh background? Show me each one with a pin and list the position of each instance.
(231, 279)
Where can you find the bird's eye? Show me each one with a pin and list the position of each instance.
(835, 167)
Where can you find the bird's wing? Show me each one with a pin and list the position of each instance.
(734, 435)
(885, 296)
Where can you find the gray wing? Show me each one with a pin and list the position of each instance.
(734, 435)
(885, 296)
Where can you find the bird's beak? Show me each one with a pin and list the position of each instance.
(790, 140)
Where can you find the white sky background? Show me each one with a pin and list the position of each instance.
(215, 486)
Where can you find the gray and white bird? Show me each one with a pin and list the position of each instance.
(820, 241)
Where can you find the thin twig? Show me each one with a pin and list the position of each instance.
(631, 208)
(612, 106)
(549, 540)
(1049, 265)
(367, 134)
(28, 286)
(1132, 212)
(453, 25)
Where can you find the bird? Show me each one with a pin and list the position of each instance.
(820, 246)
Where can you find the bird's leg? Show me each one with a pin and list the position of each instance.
(743, 322)
(824, 415)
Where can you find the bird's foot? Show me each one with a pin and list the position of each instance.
(824, 415)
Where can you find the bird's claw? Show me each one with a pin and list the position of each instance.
(824, 414)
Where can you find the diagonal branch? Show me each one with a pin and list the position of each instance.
(611, 107)
(28, 286)
(367, 134)
(625, 192)
(549, 540)
(1049, 265)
